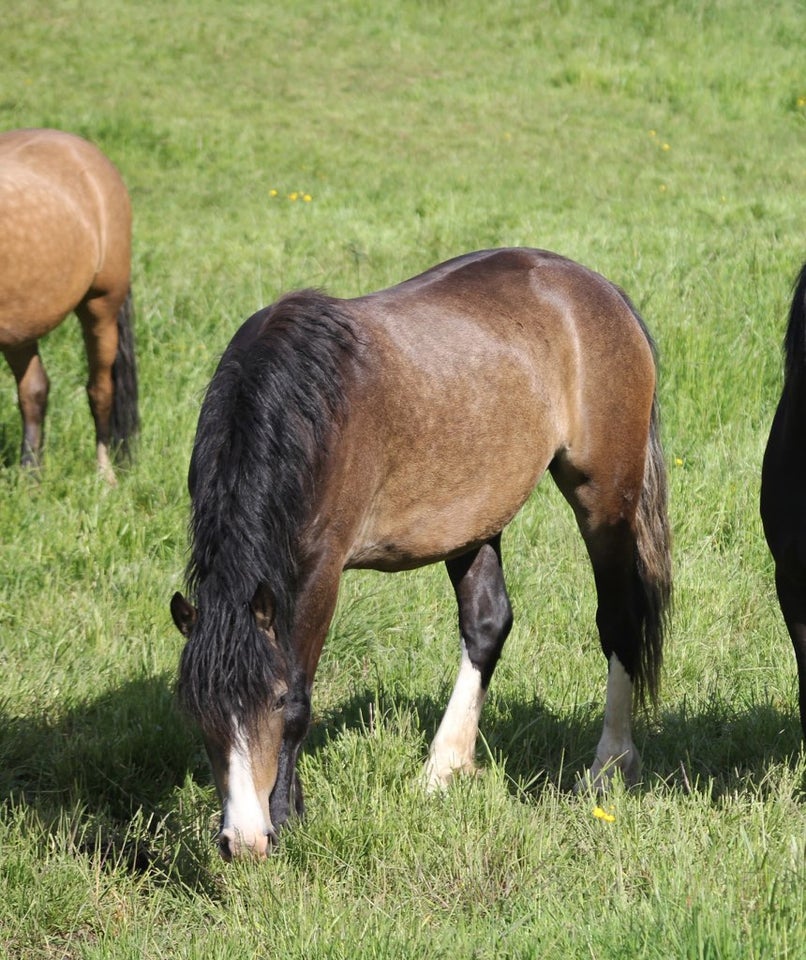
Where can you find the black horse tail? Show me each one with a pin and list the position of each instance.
(124, 421)
(653, 550)
(653, 564)
(795, 339)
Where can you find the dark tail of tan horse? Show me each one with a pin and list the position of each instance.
(653, 548)
(125, 420)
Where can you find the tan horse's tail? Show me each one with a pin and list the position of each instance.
(654, 563)
(125, 420)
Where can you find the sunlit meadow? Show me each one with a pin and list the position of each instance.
(347, 146)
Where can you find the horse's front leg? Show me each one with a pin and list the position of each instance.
(286, 797)
(316, 602)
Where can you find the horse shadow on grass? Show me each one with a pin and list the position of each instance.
(120, 759)
(719, 750)
(109, 768)
(9, 446)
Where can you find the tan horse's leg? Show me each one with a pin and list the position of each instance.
(600, 502)
(316, 603)
(32, 390)
(99, 325)
(485, 619)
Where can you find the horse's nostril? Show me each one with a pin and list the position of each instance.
(224, 848)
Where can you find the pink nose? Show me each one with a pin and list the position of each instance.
(233, 844)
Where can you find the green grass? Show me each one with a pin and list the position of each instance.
(659, 143)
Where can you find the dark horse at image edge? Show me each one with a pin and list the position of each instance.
(397, 429)
(783, 486)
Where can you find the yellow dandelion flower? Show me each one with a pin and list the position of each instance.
(272, 192)
(666, 147)
(801, 100)
(601, 814)
(307, 198)
(293, 196)
(653, 133)
(678, 462)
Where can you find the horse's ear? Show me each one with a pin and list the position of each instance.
(184, 614)
(263, 607)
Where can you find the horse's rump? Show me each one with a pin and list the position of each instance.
(66, 229)
(66, 246)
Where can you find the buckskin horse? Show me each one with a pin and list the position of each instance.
(66, 246)
(394, 430)
(783, 486)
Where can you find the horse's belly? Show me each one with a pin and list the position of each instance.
(430, 515)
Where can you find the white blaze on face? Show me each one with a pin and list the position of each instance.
(454, 746)
(246, 822)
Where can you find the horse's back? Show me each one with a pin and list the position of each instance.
(66, 230)
(559, 317)
(511, 339)
(483, 370)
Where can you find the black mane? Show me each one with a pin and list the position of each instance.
(267, 418)
(795, 339)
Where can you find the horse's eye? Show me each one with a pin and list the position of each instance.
(279, 703)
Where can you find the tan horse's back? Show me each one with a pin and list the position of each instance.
(66, 230)
(495, 365)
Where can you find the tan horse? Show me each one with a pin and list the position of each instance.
(398, 429)
(65, 244)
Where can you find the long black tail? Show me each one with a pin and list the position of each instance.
(654, 562)
(125, 420)
(653, 549)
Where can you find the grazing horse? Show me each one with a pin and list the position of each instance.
(394, 430)
(66, 245)
(783, 486)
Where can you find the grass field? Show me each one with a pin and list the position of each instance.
(347, 146)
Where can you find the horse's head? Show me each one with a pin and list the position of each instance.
(244, 753)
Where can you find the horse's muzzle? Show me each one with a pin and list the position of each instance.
(233, 846)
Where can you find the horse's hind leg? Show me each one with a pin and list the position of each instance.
(98, 318)
(618, 619)
(32, 391)
(605, 511)
(485, 619)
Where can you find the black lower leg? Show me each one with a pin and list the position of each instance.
(287, 793)
(619, 614)
(485, 614)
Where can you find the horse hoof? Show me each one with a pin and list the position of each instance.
(599, 779)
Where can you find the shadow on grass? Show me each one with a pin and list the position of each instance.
(9, 446)
(719, 750)
(113, 764)
(120, 760)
